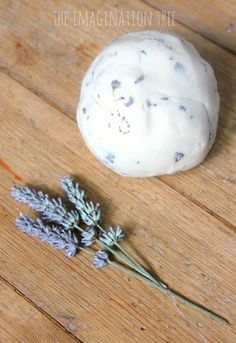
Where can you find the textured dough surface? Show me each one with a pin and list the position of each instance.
(149, 105)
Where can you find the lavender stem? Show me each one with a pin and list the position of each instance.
(173, 294)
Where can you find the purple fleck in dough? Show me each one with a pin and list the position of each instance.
(139, 79)
(115, 84)
(179, 67)
(182, 108)
(129, 102)
(110, 157)
(178, 156)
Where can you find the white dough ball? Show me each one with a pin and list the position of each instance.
(149, 105)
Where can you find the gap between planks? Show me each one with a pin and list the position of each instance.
(190, 28)
(203, 207)
(193, 200)
(39, 309)
(186, 196)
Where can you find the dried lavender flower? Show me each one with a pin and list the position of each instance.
(100, 259)
(70, 220)
(90, 213)
(65, 238)
(112, 236)
(74, 193)
(56, 237)
(89, 236)
(52, 210)
(26, 224)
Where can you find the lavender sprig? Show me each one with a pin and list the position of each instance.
(77, 196)
(63, 236)
(112, 236)
(90, 212)
(58, 238)
(52, 210)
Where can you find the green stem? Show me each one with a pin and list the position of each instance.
(119, 256)
(90, 252)
(145, 272)
(137, 266)
(101, 228)
(173, 294)
(145, 276)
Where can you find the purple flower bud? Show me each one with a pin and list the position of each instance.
(55, 236)
(112, 236)
(100, 259)
(89, 236)
(71, 250)
(52, 210)
(89, 212)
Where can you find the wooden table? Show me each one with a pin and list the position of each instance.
(180, 226)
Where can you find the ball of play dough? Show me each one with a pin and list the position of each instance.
(149, 105)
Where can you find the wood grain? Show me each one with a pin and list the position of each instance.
(191, 250)
(181, 227)
(214, 19)
(22, 322)
(51, 61)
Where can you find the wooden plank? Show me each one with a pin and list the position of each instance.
(213, 19)
(190, 250)
(51, 61)
(21, 321)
